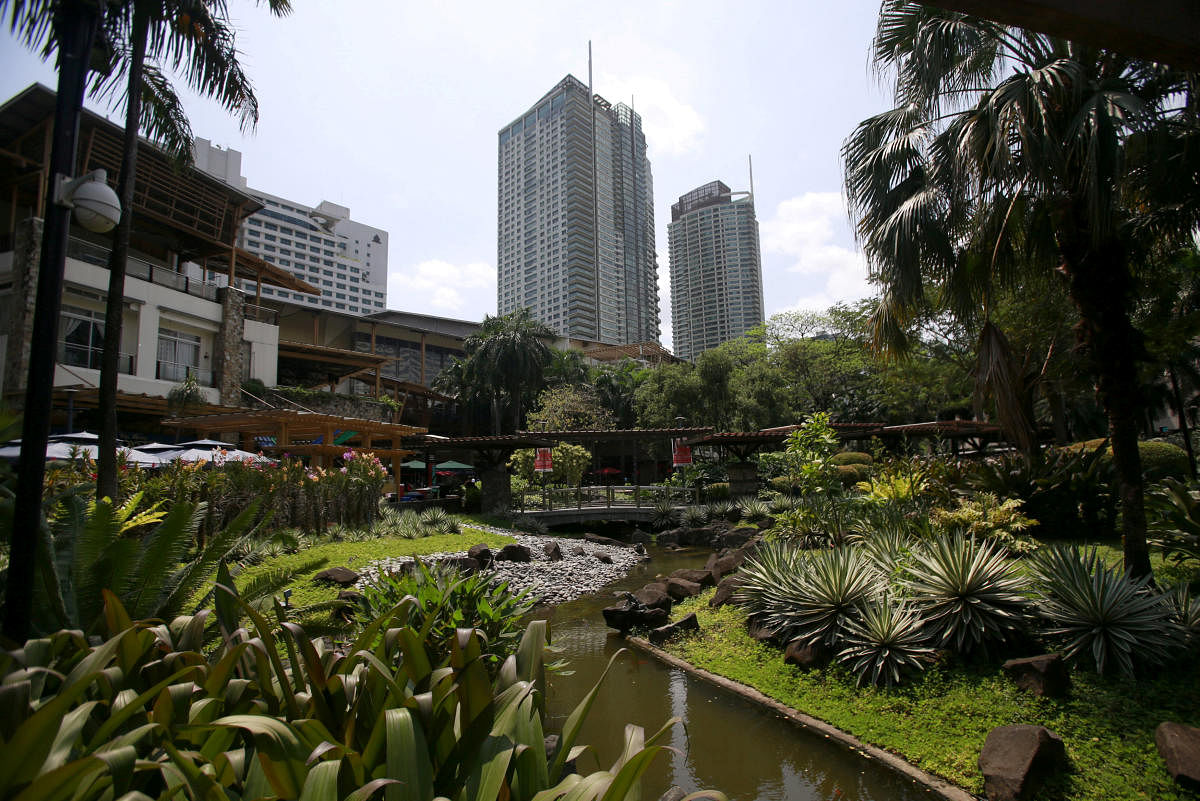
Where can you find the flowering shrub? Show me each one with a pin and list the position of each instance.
(292, 494)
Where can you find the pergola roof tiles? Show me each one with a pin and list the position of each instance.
(290, 424)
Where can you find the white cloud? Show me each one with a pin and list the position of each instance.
(672, 126)
(441, 287)
(820, 271)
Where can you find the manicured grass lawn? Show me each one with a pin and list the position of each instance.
(356, 555)
(941, 719)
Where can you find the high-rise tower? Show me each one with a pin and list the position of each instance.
(716, 269)
(575, 223)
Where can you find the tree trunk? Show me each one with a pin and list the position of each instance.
(106, 469)
(1181, 413)
(1100, 287)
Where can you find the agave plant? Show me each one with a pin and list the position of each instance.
(754, 509)
(1101, 616)
(1185, 608)
(664, 515)
(439, 521)
(889, 549)
(770, 572)
(884, 643)
(694, 516)
(969, 594)
(723, 510)
(809, 596)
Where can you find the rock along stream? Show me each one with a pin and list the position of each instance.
(725, 743)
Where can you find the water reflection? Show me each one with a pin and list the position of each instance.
(724, 742)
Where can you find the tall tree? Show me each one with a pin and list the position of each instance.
(506, 361)
(994, 124)
(195, 39)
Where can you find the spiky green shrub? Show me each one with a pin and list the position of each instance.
(770, 572)
(1185, 609)
(889, 549)
(969, 595)
(884, 643)
(1099, 616)
(439, 521)
(754, 509)
(694, 516)
(664, 515)
(810, 596)
(723, 510)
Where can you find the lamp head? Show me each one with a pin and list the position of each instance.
(97, 207)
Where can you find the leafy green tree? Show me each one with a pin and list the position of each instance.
(569, 461)
(616, 386)
(1010, 152)
(505, 364)
(570, 408)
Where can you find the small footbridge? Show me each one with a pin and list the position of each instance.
(556, 507)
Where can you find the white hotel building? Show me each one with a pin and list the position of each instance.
(321, 245)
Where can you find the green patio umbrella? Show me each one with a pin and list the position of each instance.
(455, 466)
(413, 465)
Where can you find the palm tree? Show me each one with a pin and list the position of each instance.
(997, 129)
(506, 360)
(194, 38)
(190, 37)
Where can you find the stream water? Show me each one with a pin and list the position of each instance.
(725, 742)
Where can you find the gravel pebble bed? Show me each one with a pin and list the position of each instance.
(551, 582)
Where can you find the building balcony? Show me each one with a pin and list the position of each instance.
(73, 355)
(176, 372)
(136, 267)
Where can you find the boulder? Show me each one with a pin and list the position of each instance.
(513, 553)
(629, 614)
(764, 524)
(481, 554)
(341, 576)
(640, 549)
(808, 655)
(578, 550)
(1016, 759)
(653, 598)
(659, 584)
(596, 539)
(679, 588)
(725, 590)
(639, 536)
(666, 538)
(758, 631)
(603, 557)
(554, 552)
(663, 633)
(721, 565)
(463, 564)
(701, 535)
(1179, 746)
(702, 577)
(1041, 675)
(737, 537)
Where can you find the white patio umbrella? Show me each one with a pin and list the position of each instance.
(214, 455)
(64, 451)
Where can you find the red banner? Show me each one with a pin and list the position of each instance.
(542, 461)
(681, 455)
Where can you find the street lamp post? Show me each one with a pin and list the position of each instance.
(75, 24)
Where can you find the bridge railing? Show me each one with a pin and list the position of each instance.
(607, 497)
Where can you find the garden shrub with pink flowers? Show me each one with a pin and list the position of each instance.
(292, 495)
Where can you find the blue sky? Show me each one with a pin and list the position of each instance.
(392, 109)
